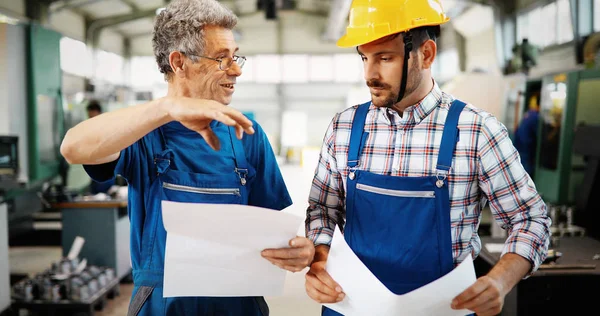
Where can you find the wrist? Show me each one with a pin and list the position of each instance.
(509, 271)
(321, 253)
(163, 107)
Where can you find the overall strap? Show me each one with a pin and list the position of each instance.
(358, 126)
(239, 155)
(162, 160)
(449, 137)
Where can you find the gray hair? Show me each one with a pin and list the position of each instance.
(180, 27)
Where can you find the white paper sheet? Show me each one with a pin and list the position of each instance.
(214, 249)
(366, 295)
(494, 248)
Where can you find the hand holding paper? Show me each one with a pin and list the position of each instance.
(366, 295)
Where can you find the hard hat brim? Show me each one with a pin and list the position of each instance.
(346, 41)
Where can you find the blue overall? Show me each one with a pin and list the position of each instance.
(174, 163)
(400, 226)
(180, 186)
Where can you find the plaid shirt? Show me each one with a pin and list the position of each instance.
(485, 167)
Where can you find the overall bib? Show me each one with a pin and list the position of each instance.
(178, 186)
(399, 227)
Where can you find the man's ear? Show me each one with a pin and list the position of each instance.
(429, 51)
(177, 62)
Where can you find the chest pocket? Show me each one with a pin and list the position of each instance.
(201, 193)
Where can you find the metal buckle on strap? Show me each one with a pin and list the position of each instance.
(351, 170)
(242, 174)
(441, 176)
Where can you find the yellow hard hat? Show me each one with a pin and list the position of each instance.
(373, 19)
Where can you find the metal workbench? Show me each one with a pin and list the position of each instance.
(105, 227)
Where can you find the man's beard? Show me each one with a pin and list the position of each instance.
(414, 78)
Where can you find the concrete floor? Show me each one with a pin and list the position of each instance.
(294, 302)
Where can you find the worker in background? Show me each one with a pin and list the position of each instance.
(407, 174)
(94, 109)
(526, 136)
(185, 147)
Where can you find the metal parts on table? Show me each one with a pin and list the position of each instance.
(562, 224)
(63, 282)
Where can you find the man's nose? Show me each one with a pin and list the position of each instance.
(234, 70)
(371, 71)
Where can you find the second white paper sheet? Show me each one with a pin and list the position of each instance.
(214, 249)
(366, 295)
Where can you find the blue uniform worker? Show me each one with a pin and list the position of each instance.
(187, 146)
(526, 138)
(173, 163)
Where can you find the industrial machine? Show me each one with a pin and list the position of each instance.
(9, 162)
(568, 100)
(586, 144)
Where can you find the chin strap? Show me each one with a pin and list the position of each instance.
(408, 46)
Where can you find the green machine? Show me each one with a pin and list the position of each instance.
(45, 111)
(567, 100)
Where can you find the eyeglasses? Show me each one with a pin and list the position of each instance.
(225, 62)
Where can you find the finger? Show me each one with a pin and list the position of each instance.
(324, 277)
(301, 263)
(239, 131)
(299, 242)
(285, 253)
(223, 118)
(322, 288)
(478, 287)
(480, 302)
(211, 139)
(493, 311)
(319, 296)
(240, 118)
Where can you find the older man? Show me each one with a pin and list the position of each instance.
(157, 147)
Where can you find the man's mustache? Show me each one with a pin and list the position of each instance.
(374, 83)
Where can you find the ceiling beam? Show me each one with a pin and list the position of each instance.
(60, 5)
(95, 26)
(132, 5)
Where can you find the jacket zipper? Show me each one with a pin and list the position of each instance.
(183, 188)
(398, 193)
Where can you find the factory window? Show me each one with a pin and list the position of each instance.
(144, 72)
(565, 25)
(522, 27)
(109, 67)
(536, 23)
(295, 68)
(75, 58)
(268, 68)
(549, 15)
(596, 15)
(348, 68)
(321, 68)
(554, 19)
(300, 68)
